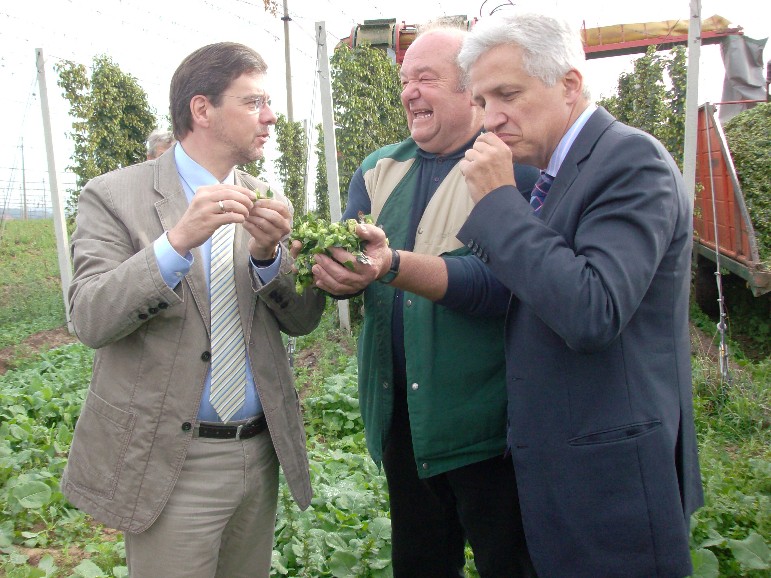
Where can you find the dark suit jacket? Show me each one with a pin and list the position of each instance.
(598, 352)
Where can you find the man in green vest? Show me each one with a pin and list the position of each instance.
(431, 371)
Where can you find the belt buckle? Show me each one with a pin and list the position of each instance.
(238, 431)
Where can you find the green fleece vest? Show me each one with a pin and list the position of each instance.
(456, 390)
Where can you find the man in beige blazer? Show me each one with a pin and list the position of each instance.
(195, 493)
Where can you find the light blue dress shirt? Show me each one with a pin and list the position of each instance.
(174, 266)
(559, 154)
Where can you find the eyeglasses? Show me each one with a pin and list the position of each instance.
(255, 104)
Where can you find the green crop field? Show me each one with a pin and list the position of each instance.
(346, 531)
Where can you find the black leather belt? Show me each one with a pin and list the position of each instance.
(242, 431)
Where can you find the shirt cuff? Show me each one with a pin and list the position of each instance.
(172, 265)
(267, 274)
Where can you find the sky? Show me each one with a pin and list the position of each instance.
(149, 38)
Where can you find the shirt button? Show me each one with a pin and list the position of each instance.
(415, 387)
(385, 385)
(206, 356)
(153, 310)
(425, 466)
(436, 179)
(409, 302)
(187, 426)
(420, 231)
(178, 273)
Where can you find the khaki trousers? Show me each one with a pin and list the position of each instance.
(220, 518)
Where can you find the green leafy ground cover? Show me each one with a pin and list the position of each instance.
(30, 288)
(346, 531)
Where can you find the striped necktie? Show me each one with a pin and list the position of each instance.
(540, 190)
(228, 363)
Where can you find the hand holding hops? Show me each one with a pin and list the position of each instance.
(317, 236)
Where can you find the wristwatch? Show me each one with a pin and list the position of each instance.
(393, 271)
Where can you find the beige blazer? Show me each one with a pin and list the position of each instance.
(152, 348)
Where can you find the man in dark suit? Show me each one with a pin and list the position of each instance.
(598, 375)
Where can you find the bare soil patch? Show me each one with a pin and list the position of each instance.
(37, 343)
(702, 345)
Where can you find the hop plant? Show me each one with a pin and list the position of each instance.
(268, 194)
(318, 236)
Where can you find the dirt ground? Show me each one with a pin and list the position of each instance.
(42, 341)
(701, 344)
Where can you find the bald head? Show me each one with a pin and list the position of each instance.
(440, 115)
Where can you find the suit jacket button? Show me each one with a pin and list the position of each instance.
(187, 426)
(206, 356)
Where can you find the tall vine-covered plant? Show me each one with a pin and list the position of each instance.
(254, 168)
(367, 108)
(749, 140)
(672, 133)
(112, 119)
(652, 98)
(290, 165)
(322, 189)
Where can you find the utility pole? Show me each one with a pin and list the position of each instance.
(692, 97)
(62, 241)
(306, 180)
(287, 59)
(45, 201)
(23, 185)
(330, 147)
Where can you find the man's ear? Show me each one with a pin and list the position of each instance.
(200, 108)
(573, 83)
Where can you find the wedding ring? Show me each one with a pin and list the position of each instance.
(222, 206)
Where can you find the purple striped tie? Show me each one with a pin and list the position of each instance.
(540, 190)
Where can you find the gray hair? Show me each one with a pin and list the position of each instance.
(550, 46)
(158, 138)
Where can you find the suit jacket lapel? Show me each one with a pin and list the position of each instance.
(582, 147)
(170, 210)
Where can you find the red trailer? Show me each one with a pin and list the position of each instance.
(722, 226)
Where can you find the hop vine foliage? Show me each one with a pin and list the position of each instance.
(367, 107)
(652, 98)
(749, 139)
(112, 119)
(318, 235)
(290, 166)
